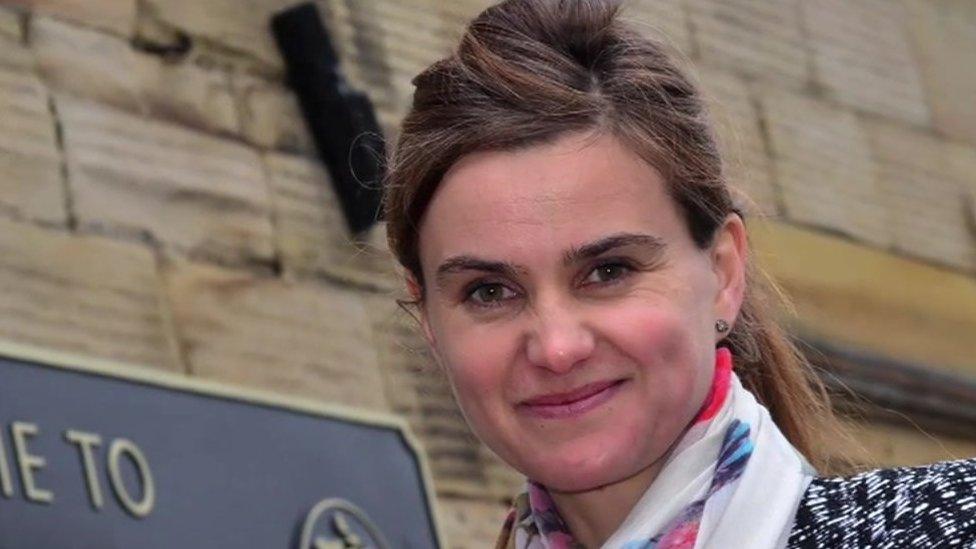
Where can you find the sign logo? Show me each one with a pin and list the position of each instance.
(338, 524)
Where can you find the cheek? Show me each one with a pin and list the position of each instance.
(671, 351)
(477, 364)
(667, 335)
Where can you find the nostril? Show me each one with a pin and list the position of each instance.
(560, 351)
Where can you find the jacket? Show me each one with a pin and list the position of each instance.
(930, 506)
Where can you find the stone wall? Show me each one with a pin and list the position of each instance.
(161, 205)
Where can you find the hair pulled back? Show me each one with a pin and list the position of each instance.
(525, 73)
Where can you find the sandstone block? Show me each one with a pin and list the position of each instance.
(311, 232)
(923, 186)
(383, 46)
(824, 168)
(230, 23)
(304, 340)
(740, 137)
(188, 94)
(11, 28)
(30, 164)
(877, 444)
(760, 38)
(196, 193)
(81, 294)
(105, 68)
(270, 116)
(116, 16)
(14, 56)
(858, 296)
(456, 15)
(862, 57)
(468, 523)
(661, 19)
(944, 37)
(420, 392)
(86, 63)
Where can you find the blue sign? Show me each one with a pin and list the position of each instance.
(92, 459)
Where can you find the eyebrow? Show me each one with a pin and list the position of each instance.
(461, 263)
(594, 249)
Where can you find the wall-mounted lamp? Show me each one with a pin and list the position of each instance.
(341, 120)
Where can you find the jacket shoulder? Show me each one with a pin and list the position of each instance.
(928, 506)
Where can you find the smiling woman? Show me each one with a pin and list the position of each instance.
(582, 276)
(567, 338)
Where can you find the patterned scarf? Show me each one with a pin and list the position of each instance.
(733, 480)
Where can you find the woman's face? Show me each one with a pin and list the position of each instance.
(570, 308)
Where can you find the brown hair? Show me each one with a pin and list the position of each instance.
(529, 71)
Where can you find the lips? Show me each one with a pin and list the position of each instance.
(571, 403)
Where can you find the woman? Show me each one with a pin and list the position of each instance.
(581, 271)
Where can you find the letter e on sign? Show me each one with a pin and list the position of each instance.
(28, 462)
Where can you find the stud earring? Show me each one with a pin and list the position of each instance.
(721, 326)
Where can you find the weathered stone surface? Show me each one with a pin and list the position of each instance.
(420, 392)
(199, 194)
(116, 16)
(761, 38)
(14, 56)
(309, 340)
(862, 57)
(311, 232)
(85, 62)
(270, 116)
(923, 183)
(94, 65)
(944, 38)
(384, 45)
(81, 294)
(860, 297)
(661, 18)
(237, 24)
(875, 444)
(30, 165)
(11, 28)
(154, 35)
(824, 168)
(737, 121)
(468, 523)
(457, 14)
(186, 93)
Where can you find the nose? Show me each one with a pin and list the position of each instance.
(559, 339)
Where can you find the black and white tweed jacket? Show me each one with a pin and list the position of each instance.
(932, 506)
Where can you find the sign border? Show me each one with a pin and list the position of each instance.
(147, 375)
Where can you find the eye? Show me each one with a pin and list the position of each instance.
(490, 294)
(607, 272)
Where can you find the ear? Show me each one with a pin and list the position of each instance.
(729, 259)
(416, 291)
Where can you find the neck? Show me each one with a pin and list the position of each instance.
(594, 515)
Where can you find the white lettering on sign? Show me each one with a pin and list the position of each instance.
(28, 462)
(86, 442)
(6, 486)
(88, 445)
(120, 447)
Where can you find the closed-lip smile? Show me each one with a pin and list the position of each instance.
(571, 403)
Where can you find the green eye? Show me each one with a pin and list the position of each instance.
(491, 293)
(607, 272)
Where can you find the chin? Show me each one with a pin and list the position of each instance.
(583, 473)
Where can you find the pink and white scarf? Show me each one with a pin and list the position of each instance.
(733, 480)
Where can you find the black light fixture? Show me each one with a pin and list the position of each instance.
(341, 120)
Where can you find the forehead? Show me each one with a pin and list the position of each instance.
(574, 190)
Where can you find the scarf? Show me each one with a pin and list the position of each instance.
(732, 480)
